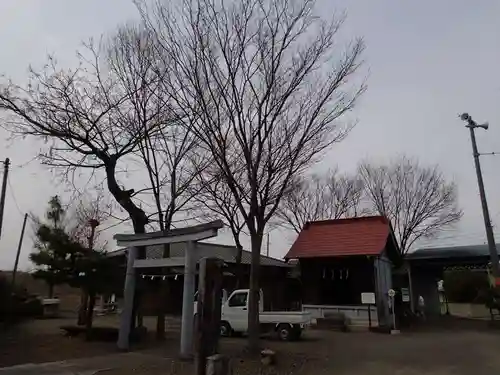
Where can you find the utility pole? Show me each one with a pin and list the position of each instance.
(471, 124)
(6, 164)
(19, 246)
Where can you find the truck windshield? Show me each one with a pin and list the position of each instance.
(238, 300)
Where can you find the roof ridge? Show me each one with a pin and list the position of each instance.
(347, 220)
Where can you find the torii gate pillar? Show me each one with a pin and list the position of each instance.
(132, 241)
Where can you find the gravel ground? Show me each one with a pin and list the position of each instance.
(448, 350)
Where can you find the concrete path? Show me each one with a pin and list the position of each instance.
(108, 364)
(80, 366)
(51, 368)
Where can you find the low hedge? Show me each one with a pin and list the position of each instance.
(16, 306)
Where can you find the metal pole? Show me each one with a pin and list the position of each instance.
(410, 285)
(446, 303)
(267, 252)
(4, 189)
(19, 246)
(188, 301)
(393, 313)
(484, 204)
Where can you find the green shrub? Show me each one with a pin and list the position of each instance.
(18, 305)
(31, 308)
(464, 286)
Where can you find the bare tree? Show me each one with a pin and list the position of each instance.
(215, 201)
(86, 209)
(75, 112)
(321, 197)
(417, 199)
(267, 88)
(108, 115)
(169, 154)
(111, 114)
(84, 216)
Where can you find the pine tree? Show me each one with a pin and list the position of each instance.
(55, 250)
(61, 259)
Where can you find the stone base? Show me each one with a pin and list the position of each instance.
(218, 365)
(268, 357)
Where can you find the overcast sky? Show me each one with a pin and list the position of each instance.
(428, 62)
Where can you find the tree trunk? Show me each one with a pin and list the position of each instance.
(253, 303)
(136, 214)
(138, 302)
(164, 293)
(140, 316)
(164, 296)
(90, 316)
(51, 290)
(82, 311)
(238, 269)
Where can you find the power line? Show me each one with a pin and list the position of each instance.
(14, 197)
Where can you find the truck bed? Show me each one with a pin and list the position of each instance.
(292, 317)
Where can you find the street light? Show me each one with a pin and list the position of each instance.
(471, 124)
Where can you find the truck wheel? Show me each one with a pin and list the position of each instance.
(225, 329)
(285, 332)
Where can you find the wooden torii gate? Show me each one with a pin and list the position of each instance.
(189, 235)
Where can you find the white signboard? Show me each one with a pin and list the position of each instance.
(368, 298)
(405, 295)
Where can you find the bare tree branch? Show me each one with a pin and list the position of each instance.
(214, 200)
(417, 199)
(89, 207)
(167, 149)
(321, 197)
(79, 115)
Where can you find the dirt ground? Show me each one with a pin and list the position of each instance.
(442, 349)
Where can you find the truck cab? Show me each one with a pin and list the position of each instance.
(234, 317)
(235, 310)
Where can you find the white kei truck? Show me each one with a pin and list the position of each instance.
(288, 325)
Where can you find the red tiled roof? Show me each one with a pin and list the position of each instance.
(342, 237)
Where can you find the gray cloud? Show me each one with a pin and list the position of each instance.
(428, 62)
